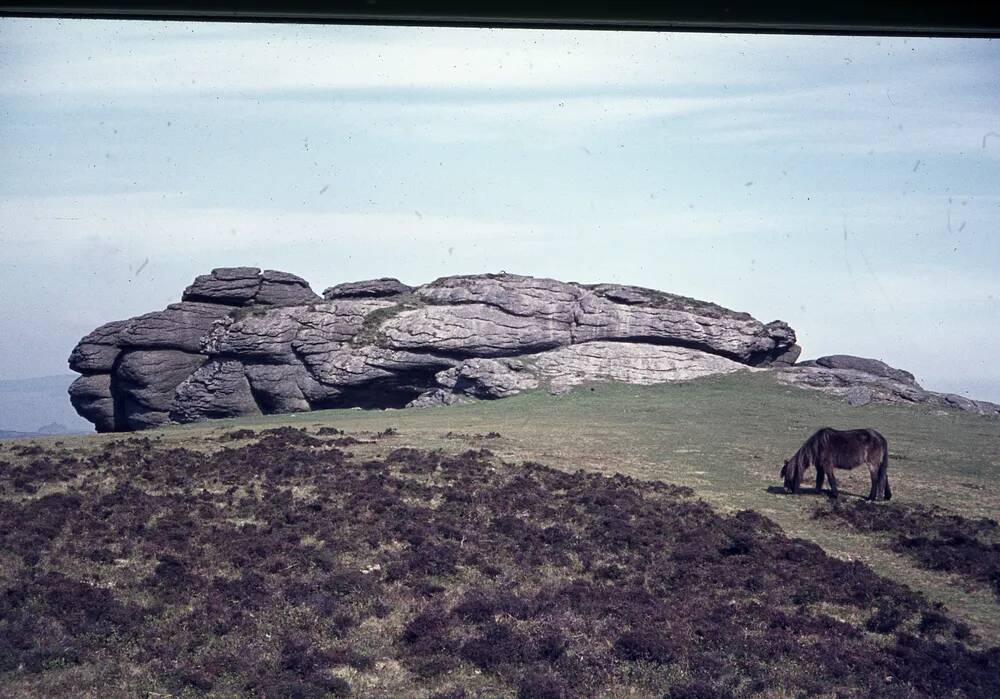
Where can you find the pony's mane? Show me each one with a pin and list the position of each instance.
(806, 455)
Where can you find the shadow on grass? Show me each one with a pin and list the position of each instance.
(780, 490)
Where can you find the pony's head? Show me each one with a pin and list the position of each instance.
(791, 472)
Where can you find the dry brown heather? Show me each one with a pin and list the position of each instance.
(277, 564)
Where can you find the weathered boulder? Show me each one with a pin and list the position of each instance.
(785, 351)
(216, 390)
(356, 365)
(98, 350)
(499, 314)
(627, 295)
(143, 385)
(868, 366)
(474, 330)
(437, 397)
(329, 326)
(286, 388)
(642, 364)
(371, 288)
(861, 381)
(181, 326)
(786, 358)
(981, 407)
(91, 397)
(255, 336)
(283, 289)
(230, 286)
(530, 297)
(841, 382)
(561, 369)
(245, 286)
(734, 335)
(285, 334)
(489, 378)
(859, 395)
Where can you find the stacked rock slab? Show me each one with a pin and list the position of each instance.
(562, 369)
(861, 381)
(243, 342)
(132, 368)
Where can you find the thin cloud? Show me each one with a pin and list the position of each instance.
(890, 95)
(158, 224)
(48, 57)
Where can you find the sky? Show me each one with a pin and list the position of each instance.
(847, 185)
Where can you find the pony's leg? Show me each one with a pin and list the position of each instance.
(833, 484)
(887, 493)
(873, 494)
(819, 480)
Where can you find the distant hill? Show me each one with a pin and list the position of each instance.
(38, 406)
(55, 428)
(14, 434)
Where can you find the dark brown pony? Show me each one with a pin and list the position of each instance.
(828, 449)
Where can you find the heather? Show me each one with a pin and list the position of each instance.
(932, 537)
(279, 563)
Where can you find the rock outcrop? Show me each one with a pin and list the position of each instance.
(861, 381)
(244, 342)
(873, 367)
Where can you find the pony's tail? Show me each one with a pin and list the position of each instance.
(883, 471)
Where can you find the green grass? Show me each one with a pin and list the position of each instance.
(725, 437)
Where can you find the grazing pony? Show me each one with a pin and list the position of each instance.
(828, 449)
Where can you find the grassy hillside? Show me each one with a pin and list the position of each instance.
(726, 438)
(200, 559)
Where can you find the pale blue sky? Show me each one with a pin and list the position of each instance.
(850, 186)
